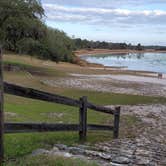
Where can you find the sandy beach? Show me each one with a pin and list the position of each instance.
(85, 52)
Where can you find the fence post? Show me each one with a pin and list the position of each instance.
(1, 111)
(116, 122)
(83, 118)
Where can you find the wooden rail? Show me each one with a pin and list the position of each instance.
(82, 104)
(40, 95)
(46, 127)
(54, 98)
(1, 110)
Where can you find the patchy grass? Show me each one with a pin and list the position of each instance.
(19, 145)
(28, 110)
(35, 70)
(130, 126)
(19, 64)
(44, 160)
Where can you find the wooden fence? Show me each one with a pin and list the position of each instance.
(82, 104)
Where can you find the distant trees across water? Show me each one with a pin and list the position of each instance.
(84, 44)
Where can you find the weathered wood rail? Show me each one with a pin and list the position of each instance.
(82, 104)
(1, 110)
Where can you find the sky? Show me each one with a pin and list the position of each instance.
(130, 21)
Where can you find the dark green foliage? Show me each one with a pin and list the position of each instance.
(20, 19)
(58, 46)
(23, 31)
(28, 46)
(86, 44)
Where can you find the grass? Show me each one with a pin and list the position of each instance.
(35, 70)
(44, 160)
(28, 110)
(39, 111)
(18, 109)
(19, 64)
(19, 145)
(104, 98)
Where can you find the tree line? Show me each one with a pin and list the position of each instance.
(86, 44)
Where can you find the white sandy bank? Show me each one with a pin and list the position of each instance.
(138, 79)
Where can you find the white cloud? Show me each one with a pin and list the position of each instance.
(118, 20)
(67, 17)
(106, 3)
(56, 7)
(104, 15)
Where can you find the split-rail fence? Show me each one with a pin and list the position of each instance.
(83, 104)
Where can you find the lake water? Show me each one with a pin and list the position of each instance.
(155, 62)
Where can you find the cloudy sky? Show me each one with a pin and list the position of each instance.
(131, 21)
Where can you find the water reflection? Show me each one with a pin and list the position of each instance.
(135, 61)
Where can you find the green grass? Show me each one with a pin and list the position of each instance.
(19, 145)
(28, 110)
(44, 160)
(104, 98)
(19, 64)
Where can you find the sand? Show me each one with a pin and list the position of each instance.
(139, 79)
(85, 52)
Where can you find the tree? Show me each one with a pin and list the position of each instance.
(139, 47)
(58, 45)
(22, 30)
(20, 19)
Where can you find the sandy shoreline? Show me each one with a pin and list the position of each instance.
(113, 83)
(85, 52)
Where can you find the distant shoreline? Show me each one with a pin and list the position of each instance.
(86, 52)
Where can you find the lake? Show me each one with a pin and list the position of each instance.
(154, 62)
